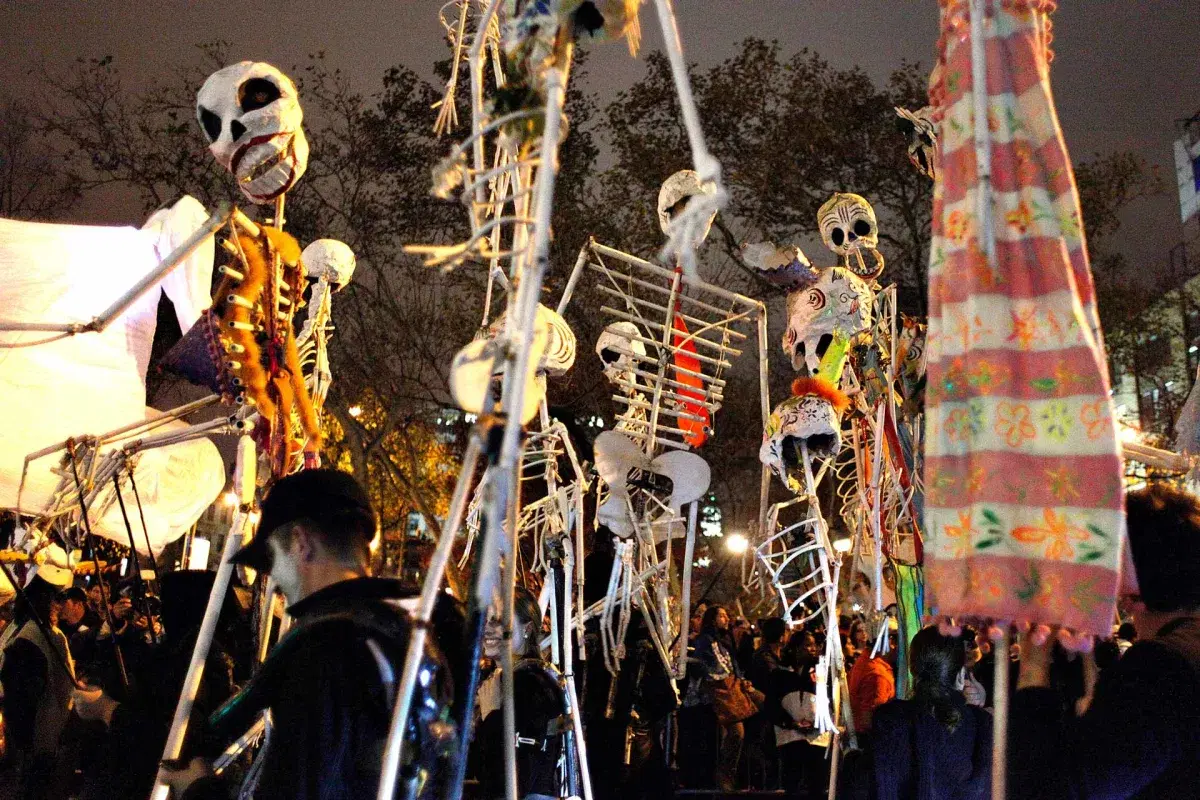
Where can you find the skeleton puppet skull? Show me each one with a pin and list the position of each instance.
(673, 198)
(614, 347)
(848, 228)
(251, 114)
(837, 305)
(330, 260)
(811, 419)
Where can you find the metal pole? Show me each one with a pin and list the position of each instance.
(244, 483)
(1000, 718)
(983, 142)
(104, 593)
(393, 751)
(689, 553)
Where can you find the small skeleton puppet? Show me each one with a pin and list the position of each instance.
(251, 114)
(329, 265)
(479, 363)
(623, 353)
(848, 227)
(921, 132)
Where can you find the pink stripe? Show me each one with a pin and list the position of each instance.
(1008, 588)
(1016, 165)
(1029, 375)
(1002, 54)
(1017, 478)
(1033, 267)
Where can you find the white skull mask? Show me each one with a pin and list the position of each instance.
(837, 304)
(673, 198)
(614, 347)
(251, 114)
(847, 224)
(329, 260)
(809, 419)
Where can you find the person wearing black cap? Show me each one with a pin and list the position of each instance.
(1140, 736)
(330, 683)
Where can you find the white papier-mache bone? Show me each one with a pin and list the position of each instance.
(250, 112)
(617, 455)
(849, 228)
(552, 352)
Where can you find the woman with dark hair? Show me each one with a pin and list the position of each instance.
(724, 684)
(934, 746)
(538, 701)
(856, 641)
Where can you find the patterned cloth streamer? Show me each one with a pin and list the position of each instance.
(1023, 474)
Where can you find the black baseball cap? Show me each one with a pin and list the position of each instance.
(333, 499)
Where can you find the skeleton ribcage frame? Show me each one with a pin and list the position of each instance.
(690, 330)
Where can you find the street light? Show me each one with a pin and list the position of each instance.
(354, 411)
(736, 543)
(842, 546)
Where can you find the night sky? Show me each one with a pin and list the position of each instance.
(1124, 72)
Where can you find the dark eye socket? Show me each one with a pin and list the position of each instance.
(256, 93)
(677, 209)
(862, 227)
(211, 123)
(838, 236)
(608, 355)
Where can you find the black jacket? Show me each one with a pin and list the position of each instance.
(1140, 738)
(330, 692)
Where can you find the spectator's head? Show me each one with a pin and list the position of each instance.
(803, 649)
(971, 650)
(40, 599)
(74, 604)
(936, 662)
(1164, 537)
(1127, 632)
(95, 597)
(858, 634)
(527, 624)
(716, 620)
(316, 525)
(774, 631)
(697, 618)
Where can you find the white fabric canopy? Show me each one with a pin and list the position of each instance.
(92, 383)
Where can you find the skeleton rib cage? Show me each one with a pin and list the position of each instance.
(676, 316)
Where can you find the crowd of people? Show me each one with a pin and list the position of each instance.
(92, 671)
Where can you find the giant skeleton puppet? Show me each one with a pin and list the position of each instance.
(245, 347)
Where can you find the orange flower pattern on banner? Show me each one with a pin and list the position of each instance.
(1057, 533)
(1014, 422)
(1020, 218)
(1096, 419)
(961, 534)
